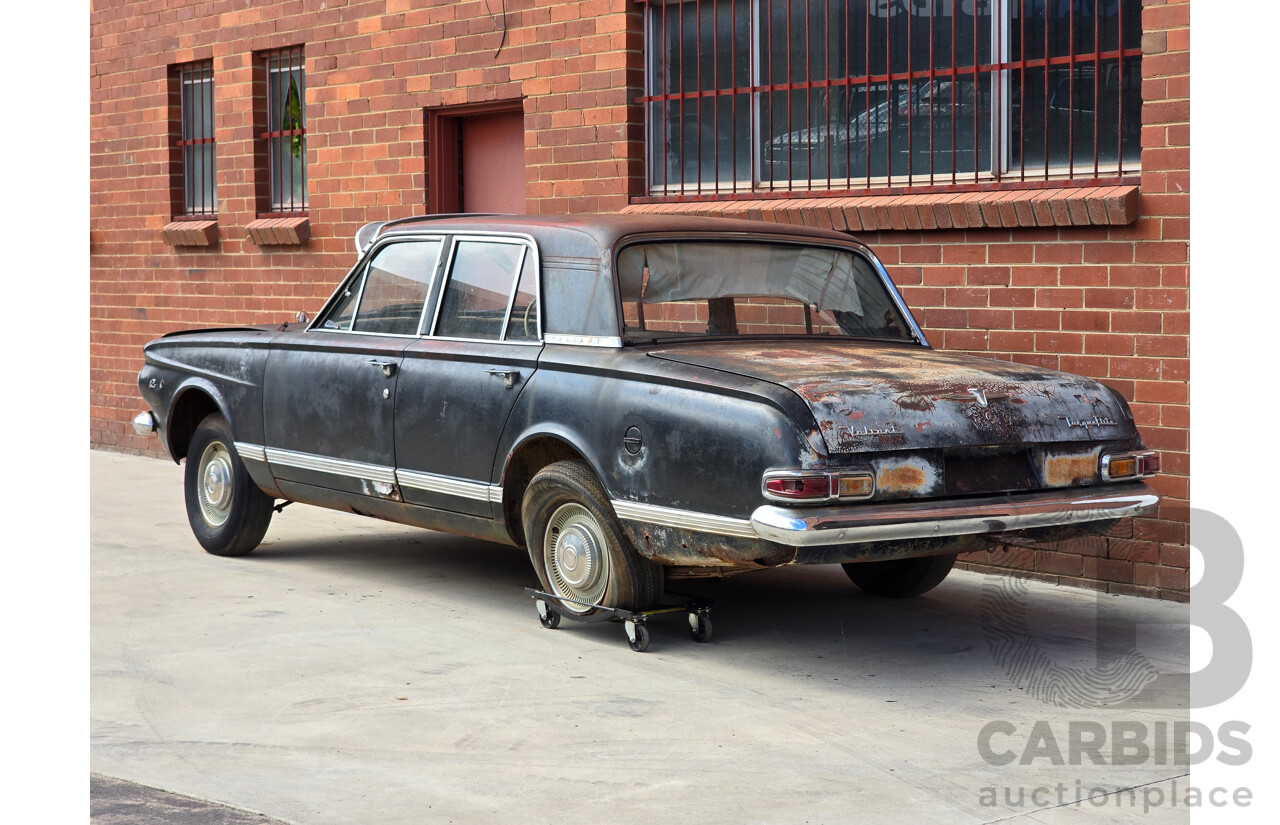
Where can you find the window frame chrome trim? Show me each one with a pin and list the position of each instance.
(446, 275)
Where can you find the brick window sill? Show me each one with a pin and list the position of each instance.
(1075, 206)
(279, 231)
(190, 233)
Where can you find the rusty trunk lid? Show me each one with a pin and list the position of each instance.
(869, 397)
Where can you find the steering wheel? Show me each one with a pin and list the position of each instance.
(527, 311)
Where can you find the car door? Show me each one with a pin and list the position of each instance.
(459, 384)
(330, 391)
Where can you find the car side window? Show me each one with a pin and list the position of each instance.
(523, 325)
(395, 288)
(343, 311)
(478, 292)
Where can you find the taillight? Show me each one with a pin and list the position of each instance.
(1124, 466)
(800, 486)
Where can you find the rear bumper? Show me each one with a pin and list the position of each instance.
(810, 527)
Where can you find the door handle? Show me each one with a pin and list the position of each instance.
(509, 377)
(388, 367)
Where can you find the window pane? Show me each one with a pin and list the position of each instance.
(684, 289)
(475, 299)
(523, 325)
(1061, 118)
(286, 122)
(396, 288)
(195, 132)
(888, 92)
(343, 311)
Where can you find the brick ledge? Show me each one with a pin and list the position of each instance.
(190, 233)
(279, 231)
(1076, 206)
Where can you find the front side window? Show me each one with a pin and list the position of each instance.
(194, 139)
(836, 95)
(695, 289)
(388, 295)
(284, 138)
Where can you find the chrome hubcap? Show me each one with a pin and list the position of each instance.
(575, 555)
(215, 484)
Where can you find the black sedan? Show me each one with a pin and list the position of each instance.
(636, 399)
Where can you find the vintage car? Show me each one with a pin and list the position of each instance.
(638, 398)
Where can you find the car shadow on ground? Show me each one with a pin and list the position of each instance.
(798, 614)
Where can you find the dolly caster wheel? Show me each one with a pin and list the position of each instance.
(637, 637)
(550, 619)
(700, 627)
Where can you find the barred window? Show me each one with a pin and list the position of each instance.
(193, 138)
(852, 95)
(285, 136)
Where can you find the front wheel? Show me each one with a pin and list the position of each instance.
(900, 578)
(228, 513)
(576, 546)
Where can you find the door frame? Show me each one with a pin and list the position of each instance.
(444, 143)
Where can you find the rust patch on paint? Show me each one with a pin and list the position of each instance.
(1070, 470)
(904, 477)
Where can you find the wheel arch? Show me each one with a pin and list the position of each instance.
(190, 406)
(529, 455)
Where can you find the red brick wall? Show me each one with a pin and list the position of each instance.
(1109, 302)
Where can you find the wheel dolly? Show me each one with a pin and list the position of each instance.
(551, 607)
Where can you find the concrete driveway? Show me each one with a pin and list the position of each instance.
(353, 671)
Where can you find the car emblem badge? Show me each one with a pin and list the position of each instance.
(1094, 421)
(980, 395)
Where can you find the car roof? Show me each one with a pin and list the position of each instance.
(567, 234)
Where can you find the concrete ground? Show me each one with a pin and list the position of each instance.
(354, 671)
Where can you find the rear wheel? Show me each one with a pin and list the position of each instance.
(900, 578)
(576, 546)
(228, 513)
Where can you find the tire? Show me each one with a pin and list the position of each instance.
(228, 513)
(900, 578)
(577, 547)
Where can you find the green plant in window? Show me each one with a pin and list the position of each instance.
(293, 117)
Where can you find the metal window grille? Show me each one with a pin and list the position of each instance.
(835, 96)
(286, 133)
(195, 139)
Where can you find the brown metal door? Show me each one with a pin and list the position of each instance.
(493, 162)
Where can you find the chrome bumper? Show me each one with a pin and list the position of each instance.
(854, 524)
(144, 423)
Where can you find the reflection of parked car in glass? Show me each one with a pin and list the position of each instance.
(866, 130)
(1065, 109)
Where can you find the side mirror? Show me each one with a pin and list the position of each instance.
(301, 317)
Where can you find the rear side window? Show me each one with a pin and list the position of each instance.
(523, 325)
(478, 295)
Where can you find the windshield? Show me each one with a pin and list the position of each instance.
(691, 289)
